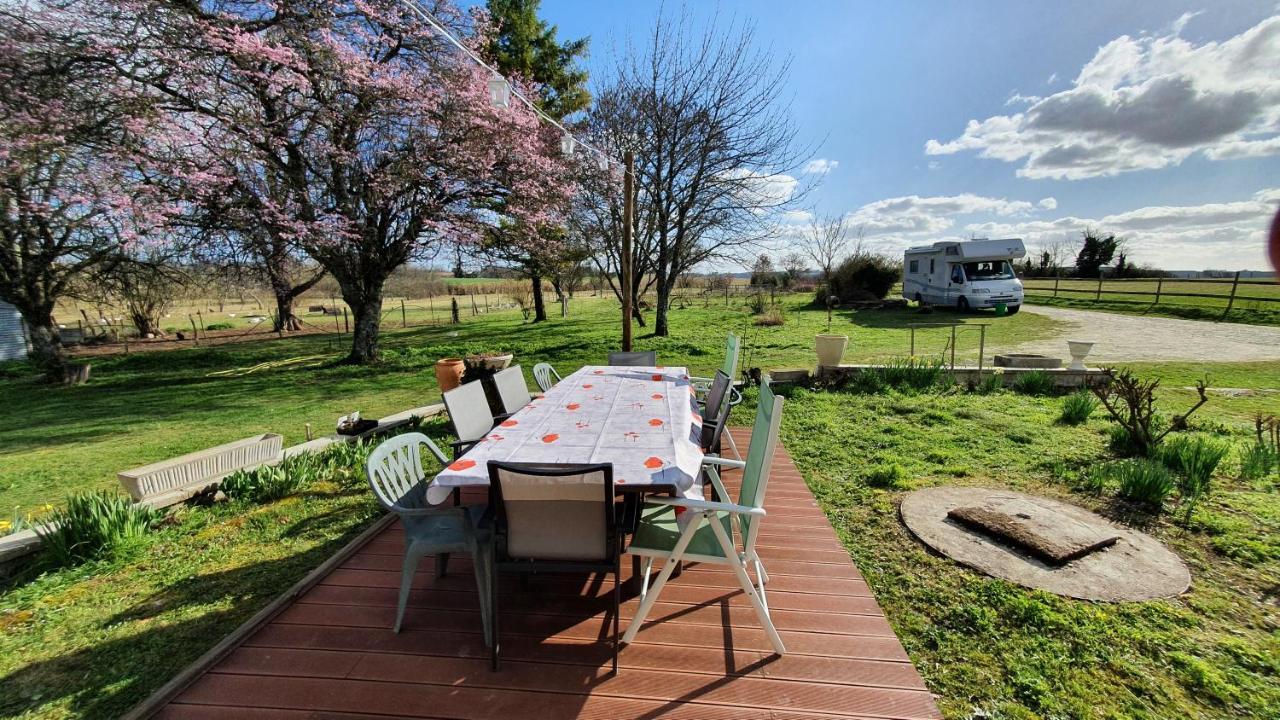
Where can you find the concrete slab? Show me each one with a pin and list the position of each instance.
(1135, 567)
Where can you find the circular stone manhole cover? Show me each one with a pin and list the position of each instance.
(1133, 567)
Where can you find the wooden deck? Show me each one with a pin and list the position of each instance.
(331, 654)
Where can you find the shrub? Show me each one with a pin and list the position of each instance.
(1077, 407)
(1257, 461)
(992, 383)
(96, 524)
(862, 276)
(1131, 403)
(1035, 382)
(771, 318)
(886, 475)
(756, 303)
(1141, 480)
(913, 374)
(220, 326)
(1194, 459)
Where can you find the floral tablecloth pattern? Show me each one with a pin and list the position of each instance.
(644, 420)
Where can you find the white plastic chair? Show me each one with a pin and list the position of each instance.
(468, 408)
(401, 486)
(543, 374)
(512, 389)
(710, 528)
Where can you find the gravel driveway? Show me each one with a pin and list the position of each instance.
(1135, 338)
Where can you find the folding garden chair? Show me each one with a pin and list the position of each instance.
(639, 358)
(715, 413)
(543, 374)
(400, 485)
(556, 518)
(706, 531)
(732, 351)
(468, 409)
(512, 389)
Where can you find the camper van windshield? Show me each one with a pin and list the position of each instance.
(989, 270)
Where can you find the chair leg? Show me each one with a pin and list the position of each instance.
(740, 569)
(407, 569)
(667, 567)
(732, 444)
(442, 565)
(493, 619)
(617, 609)
(483, 561)
(644, 576)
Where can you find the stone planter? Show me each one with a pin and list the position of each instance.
(449, 373)
(1079, 351)
(830, 349)
(492, 362)
(1027, 360)
(187, 475)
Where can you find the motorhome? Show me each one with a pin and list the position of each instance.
(965, 275)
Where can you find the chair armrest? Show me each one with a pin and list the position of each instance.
(735, 396)
(460, 447)
(435, 450)
(723, 462)
(706, 505)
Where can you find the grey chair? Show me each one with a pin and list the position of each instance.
(715, 418)
(546, 376)
(468, 409)
(639, 358)
(401, 486)
(512, 389)
(554, 518)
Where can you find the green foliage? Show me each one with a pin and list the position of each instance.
(1194, 459)
(756, 303)
(864, 276)
(96, 524)
(910, 373)
(1095, 252)
(1077, 407)
(1035, 382)
(526, 46)
(272, 482)
(886, 475)
(1140, 480)
(1258, 460)
(990, 384)
(219, 326)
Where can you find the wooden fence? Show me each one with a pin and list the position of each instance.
(1234, 290)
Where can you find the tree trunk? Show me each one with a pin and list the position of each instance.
(539, 307)
(286, 320)
(46, 347)
(367, 308)
(660, 328)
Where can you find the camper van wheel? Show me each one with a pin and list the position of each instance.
(919, 298)
(1013, 309)
(962, 304)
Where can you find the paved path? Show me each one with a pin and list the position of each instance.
(1137, 338)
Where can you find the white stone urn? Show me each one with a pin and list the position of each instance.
(1079, 351)
(831, 349)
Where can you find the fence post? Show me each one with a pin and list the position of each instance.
(346, 324)
(953, 348)
(195, 335)
(337, 327)
(1159, 286)
(726, 296)
(404, 322)
(1232, 299)
(201, 317)
(1098, 295)
(982, 348)
(1056, 278)
(913, 341)
(453, 302)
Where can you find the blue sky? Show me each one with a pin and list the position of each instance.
(1170, 138)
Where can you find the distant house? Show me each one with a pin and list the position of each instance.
(13, 333)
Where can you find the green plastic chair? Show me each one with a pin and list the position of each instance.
(710, 528)
(399, 483)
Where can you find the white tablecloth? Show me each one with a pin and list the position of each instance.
(644, 420)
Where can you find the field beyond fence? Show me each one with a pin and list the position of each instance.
(1235, 298)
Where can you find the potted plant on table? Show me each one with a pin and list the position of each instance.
(482, 367)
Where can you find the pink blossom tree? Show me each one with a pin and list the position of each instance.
(71, 195)
(351, 130)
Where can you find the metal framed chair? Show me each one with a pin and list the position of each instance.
(400, 485)
(732, 352)
(545, 376)
(554, 518)
(707, 530)
(512, 389)
(638, 358)
(715, 412)
(468, 409)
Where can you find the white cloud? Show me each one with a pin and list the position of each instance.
(1228, 235)
(1053, 78)
(1143, 103)
(763, 191)
(1048, 204)
(820, 166)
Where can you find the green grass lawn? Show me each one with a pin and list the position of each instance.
(94, 640)
(1250, 312)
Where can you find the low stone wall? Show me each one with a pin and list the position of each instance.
(964, 374)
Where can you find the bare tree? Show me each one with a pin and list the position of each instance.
(794, 265)
(828, 241)
(708, 119)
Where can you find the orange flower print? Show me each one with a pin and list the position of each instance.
(572, 406)
(656, 422)
(657, 376)
(588, 386)
(550, 438)
(462, 464)
(509, 423)
(656, 396)
(597, 372)
(653, 463)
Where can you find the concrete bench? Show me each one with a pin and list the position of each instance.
(171, 481)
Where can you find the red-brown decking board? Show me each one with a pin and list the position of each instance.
(702, 653)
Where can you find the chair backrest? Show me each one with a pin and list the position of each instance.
(512, 389)
(395, 472)
(759, 460)
(732, 349)
(716, 411)
(546, 376)
(639, 358)
(468, 408)
(556, 512)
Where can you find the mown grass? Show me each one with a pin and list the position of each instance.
(991, 649)
(1246, 312)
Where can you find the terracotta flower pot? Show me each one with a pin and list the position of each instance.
(449, 373)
